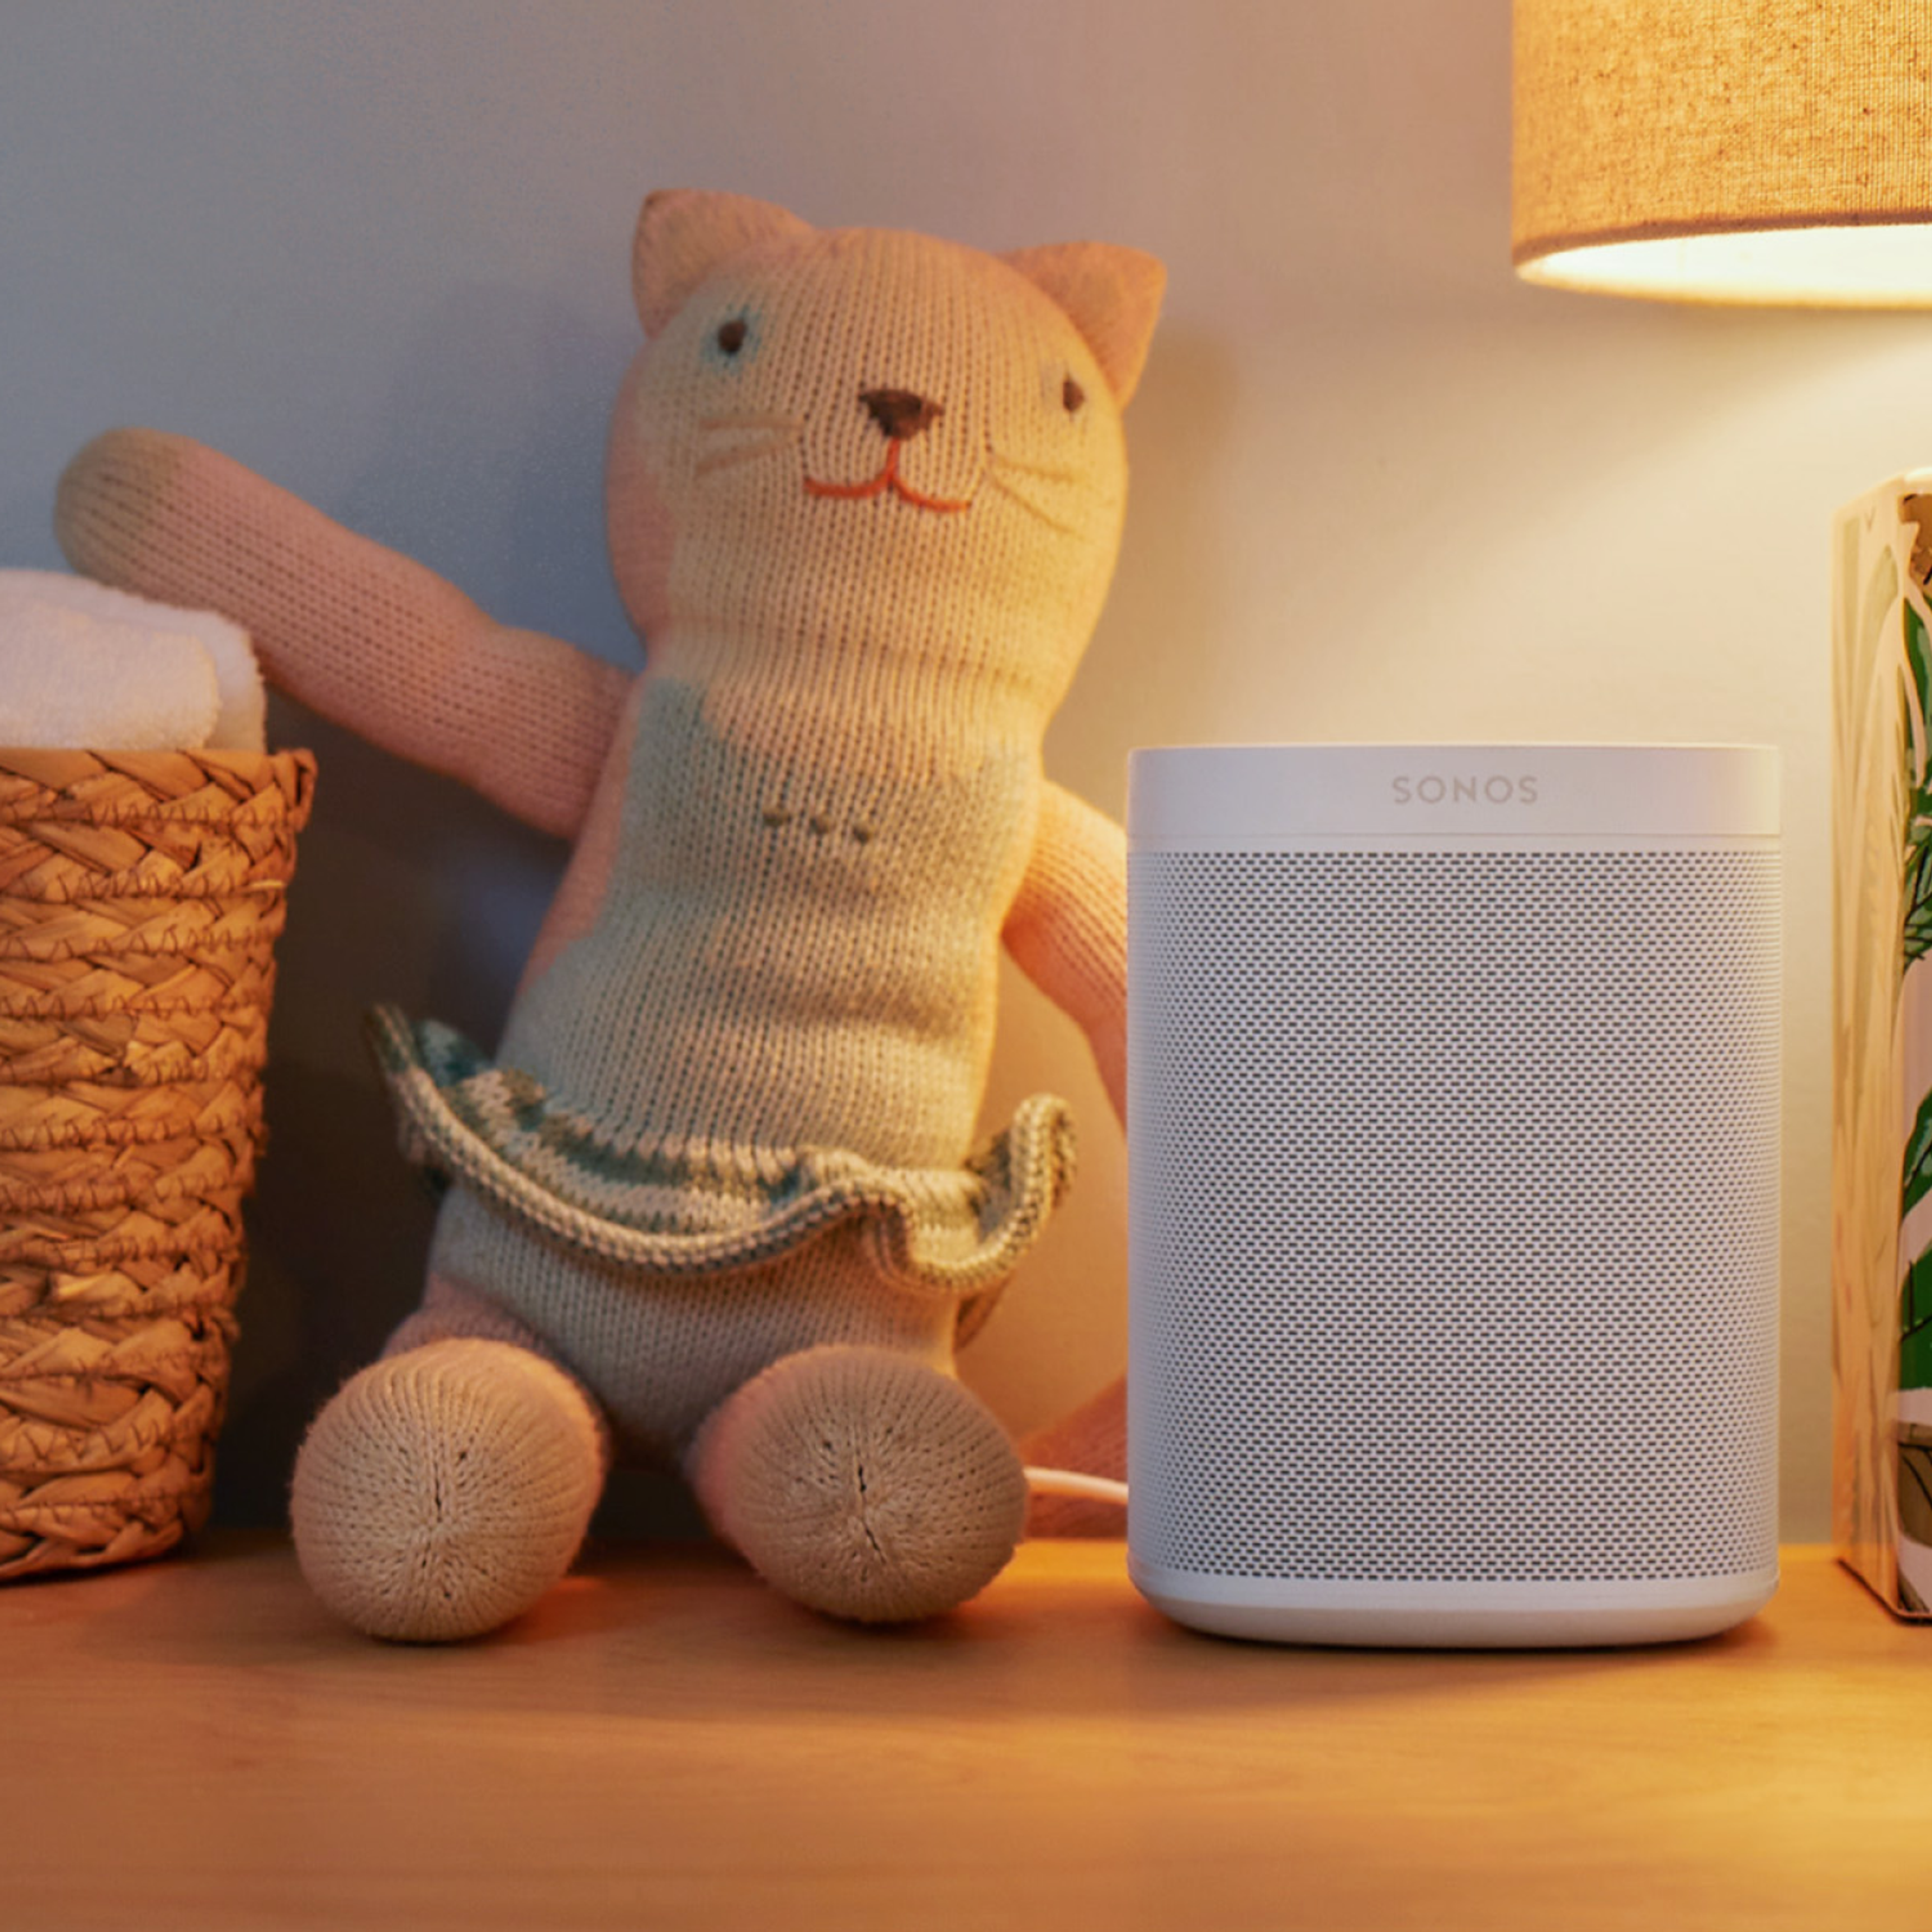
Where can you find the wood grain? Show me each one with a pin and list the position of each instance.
(664, 1743)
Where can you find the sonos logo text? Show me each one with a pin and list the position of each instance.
(1432, 789)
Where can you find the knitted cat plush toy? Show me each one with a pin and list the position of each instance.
(715, 1199)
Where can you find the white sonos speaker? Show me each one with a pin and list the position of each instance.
(1453, 1132)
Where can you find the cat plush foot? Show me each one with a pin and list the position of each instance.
(443, 1491)
(862, 1484)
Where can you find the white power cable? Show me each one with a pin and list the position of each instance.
(1072, 1482)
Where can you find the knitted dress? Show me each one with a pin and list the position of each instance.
(733, 1119)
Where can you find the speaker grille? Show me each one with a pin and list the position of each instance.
(1454, 1222)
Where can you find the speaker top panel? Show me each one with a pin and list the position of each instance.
(1247, 797)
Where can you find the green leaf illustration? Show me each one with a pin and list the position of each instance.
(1915, 1347)
(1915, 1351)
(1918, 655)
(1918, 855)
(1918, 1177)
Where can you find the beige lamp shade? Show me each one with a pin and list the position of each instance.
(1747, 151)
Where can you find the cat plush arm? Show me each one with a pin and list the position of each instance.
(1068, 928)
(1068, 931)
(362, 635)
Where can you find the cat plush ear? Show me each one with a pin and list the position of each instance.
(684, 233)
(1112, 295)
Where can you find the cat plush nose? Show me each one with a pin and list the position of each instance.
(900, 413)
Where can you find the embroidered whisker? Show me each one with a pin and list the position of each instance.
(1047, 473)
(1026, 502)
(743, 452)
(793, 425)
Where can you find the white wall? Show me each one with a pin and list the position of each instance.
(379, 251)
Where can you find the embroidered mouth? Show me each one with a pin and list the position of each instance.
(888, 480)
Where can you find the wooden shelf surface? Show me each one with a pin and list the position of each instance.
(664, 1743)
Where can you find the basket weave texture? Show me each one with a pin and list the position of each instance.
(141, 895)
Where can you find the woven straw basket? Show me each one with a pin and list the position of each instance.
(141, 894)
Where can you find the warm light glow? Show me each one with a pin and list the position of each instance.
(1881, 266)
(1764, 151)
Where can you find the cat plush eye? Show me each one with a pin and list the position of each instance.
(731, 337)
(1072, 395)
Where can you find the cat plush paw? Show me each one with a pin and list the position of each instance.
(862, 1483)
(444, 1491)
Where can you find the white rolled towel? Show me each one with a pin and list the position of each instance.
(84, 667)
